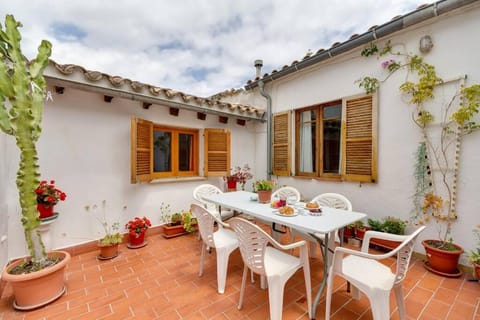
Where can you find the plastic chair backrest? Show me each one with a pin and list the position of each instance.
(205, 224)
(204, 190)
(252, 241)
(405, 253)
(289, 193)
(333, 200)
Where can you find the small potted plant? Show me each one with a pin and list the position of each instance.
(189, 222)
(474, 256)
(390, 225)
(173, 224)
(108, 244)
(47, 197)
(136, 231)
(239, 175)
(264, 190)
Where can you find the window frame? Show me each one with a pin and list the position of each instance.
(319, 156)
(216, 155)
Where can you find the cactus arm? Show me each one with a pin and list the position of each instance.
(24, 86)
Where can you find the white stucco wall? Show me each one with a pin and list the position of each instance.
(454, 53)
(85, 147)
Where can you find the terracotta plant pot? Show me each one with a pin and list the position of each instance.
(387, 244)
(37, 289)
(360, 232)
(264, 196)
(440, 261)
(169, 231)
(107, 251)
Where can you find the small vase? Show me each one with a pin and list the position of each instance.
(45, 211)
(136, 241)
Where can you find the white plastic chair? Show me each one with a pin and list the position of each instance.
(208, 189)
(366, 273)
(331, 200)
(291, 195)
(270, 262)
(223, 240)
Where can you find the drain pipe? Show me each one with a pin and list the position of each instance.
(261, 86)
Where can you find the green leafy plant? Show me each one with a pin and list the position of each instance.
(474, 255)
(438, 151)
(189, 222)
(23, 86)
(388, 224)
(263, 185)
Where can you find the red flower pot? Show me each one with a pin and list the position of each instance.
(232, 185)
(136, 241)
(45, 211)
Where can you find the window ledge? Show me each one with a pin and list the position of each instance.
(177, 179)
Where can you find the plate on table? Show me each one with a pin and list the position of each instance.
(295, 213)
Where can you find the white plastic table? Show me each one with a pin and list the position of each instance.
(327, 223)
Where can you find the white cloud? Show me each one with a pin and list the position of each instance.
(196, 46)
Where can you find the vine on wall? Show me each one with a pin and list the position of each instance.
(438, 154)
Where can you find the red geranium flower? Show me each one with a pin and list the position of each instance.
(48, 195)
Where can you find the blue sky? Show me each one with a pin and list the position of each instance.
(200, 47)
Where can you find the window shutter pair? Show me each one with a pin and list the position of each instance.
(216, 155)
(359, 140)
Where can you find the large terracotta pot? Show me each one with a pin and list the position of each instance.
(37, 289)
(440, 261)
(264, 196)
(45, 211)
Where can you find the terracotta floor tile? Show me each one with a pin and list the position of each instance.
(156, 282)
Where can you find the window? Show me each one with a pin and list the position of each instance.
(160, 151)
(334, 140)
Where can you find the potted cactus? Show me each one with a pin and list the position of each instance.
(22, 92)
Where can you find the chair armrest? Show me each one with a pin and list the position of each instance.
(342, 251)
(380, 235)
(289, 246)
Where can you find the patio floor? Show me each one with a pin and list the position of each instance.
(160, 281)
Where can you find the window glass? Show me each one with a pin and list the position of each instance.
(185, 152)
(332, 138)
(162, 150)
(307, 135)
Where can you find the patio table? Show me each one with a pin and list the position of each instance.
(327, 223)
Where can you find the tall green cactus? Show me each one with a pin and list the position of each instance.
(22, 92)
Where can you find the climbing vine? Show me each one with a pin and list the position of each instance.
(437, 163)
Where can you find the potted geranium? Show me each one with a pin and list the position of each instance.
(47, 197)
(22, 93)
(136, 231)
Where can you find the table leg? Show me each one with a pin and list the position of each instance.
(327, 256)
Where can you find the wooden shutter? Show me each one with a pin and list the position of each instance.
(281, 144)
(359, 138)
(141, 150)
(217, 152)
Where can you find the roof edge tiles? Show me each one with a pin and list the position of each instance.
(75, 76)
